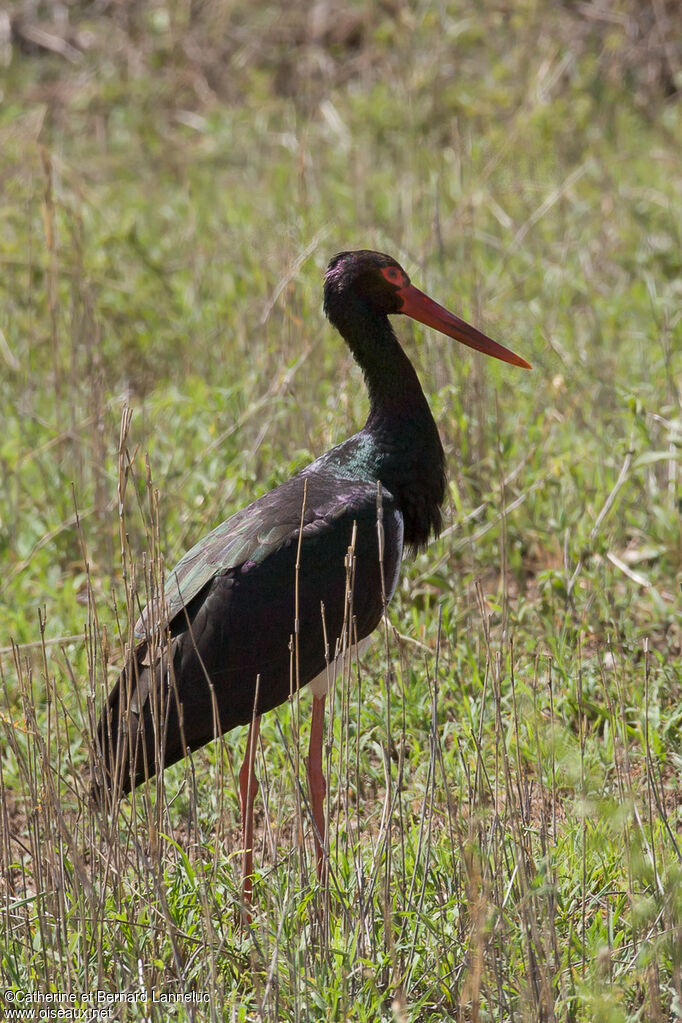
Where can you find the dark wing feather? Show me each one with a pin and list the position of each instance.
(245, 538)
(232, 612)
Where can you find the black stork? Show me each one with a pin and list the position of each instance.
(252, 611)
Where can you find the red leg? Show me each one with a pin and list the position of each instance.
(248, 789)
(316, 782)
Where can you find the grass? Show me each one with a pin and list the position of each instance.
(503, 766)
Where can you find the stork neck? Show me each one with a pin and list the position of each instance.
(392, 383)
(409, 455)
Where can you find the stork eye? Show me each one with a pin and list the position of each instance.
(395, 275)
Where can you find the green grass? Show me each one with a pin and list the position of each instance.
(512, 851)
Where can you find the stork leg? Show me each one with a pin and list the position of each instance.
(248, 789)
(316, 783)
